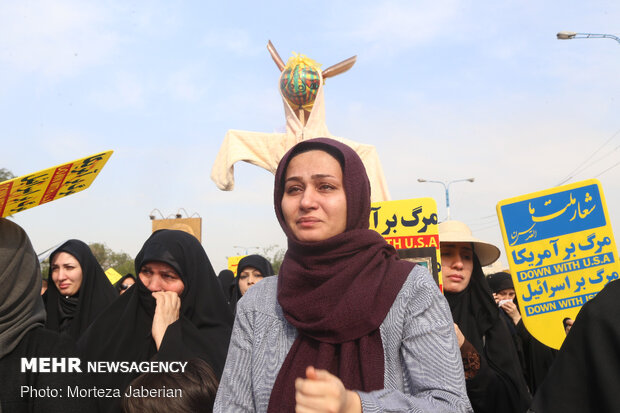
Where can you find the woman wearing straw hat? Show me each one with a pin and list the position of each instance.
(493, 374)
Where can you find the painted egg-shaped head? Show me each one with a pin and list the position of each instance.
(299, 84)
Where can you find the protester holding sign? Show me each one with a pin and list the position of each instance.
(176, 311)
(346, 324)
(79, 290)
(536, 358)
(23, 336)
(493, 373)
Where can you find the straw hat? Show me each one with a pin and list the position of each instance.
(457, 231)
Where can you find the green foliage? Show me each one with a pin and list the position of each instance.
(275, 255)
(5, 175)
(45, 268)
(120, 261)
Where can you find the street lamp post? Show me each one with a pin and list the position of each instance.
(446, 187)
(572, 35)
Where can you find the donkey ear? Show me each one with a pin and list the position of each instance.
(275, 56)
(339, 67)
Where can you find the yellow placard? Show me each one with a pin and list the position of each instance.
(29, 191)
(410, 226)
(113, 275)
(233, 262)
(561, 252)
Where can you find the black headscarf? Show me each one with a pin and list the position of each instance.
(22, 333)
(257, 261)
(585, 376)
(119, 284)
(226, 278)
(475, 312)
(536, 358)
(21, 307)
(73, 315)
(202, 331)
(500, 281)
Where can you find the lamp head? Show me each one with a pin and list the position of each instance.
(566, 35)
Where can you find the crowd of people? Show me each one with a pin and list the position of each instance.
(345, 326)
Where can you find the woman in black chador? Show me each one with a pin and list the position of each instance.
(78, 290)
(176, 311)
(250, 270)
(23, 335)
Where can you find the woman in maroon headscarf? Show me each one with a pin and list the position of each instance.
(346, 326)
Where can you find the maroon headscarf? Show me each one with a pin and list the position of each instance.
(338, 291)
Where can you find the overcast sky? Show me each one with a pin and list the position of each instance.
(444, 89)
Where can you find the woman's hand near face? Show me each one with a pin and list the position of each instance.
(167, 308)
(321, 391)
(511, 309)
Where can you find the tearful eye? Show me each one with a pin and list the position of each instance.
(293, 189)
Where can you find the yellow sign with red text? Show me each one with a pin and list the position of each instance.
(410, 226)
(32, 190)
(233, 263)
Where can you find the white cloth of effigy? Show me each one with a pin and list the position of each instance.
(266, 149)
